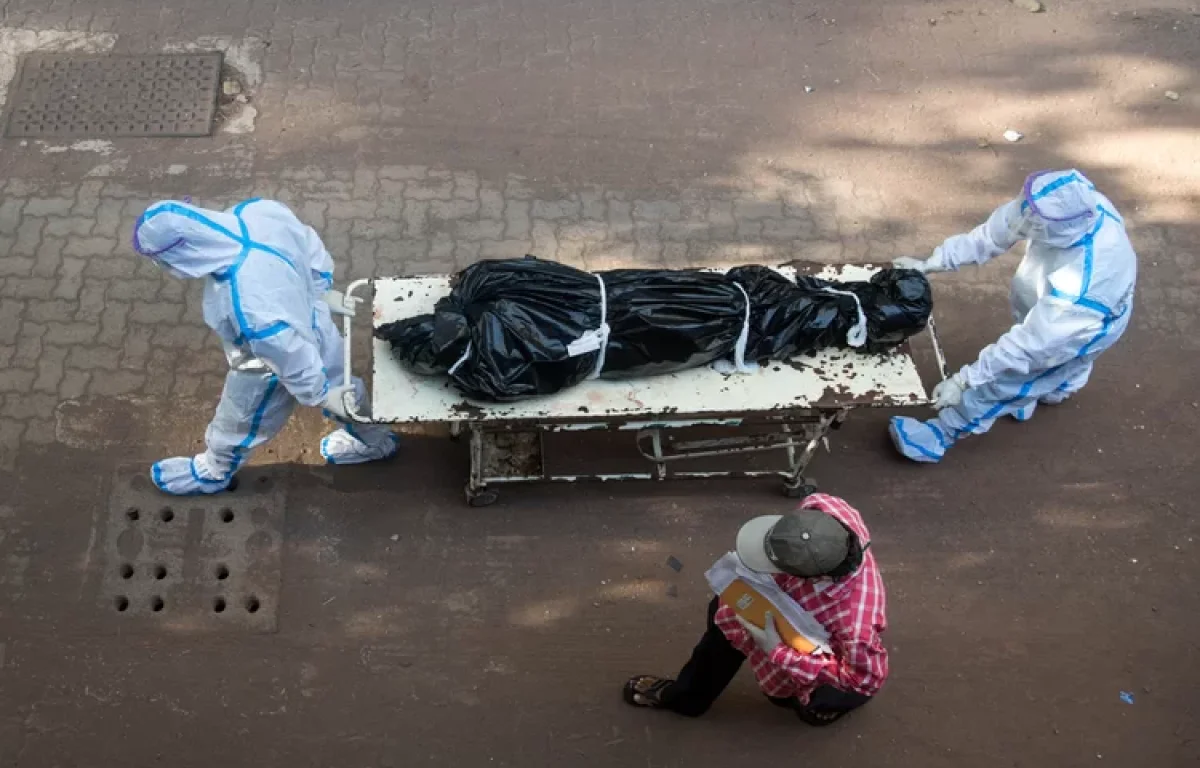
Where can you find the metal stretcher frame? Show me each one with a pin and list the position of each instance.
(788, 406)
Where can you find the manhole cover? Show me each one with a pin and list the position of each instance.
(194, 563)
(80, 95)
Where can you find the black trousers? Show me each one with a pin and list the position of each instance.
(714, 663)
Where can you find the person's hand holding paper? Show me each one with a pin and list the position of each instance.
(767, 639)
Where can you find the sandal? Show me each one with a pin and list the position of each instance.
(646, 691)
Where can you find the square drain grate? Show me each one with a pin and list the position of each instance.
(193, 564)
(81, 95)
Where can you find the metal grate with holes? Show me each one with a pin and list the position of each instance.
(205, 563)
(84, 95)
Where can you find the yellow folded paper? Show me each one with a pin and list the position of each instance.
(748, 603)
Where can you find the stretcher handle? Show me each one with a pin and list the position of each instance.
(938, 354)
(348, 372)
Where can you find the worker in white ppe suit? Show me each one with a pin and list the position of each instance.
(1071, 300)
(267, 294)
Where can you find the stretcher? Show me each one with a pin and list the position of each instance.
(787, 408)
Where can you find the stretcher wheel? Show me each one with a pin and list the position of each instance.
(482, 497)
(800, 490)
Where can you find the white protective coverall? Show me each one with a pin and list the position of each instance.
(1071, 299)
(265, 273)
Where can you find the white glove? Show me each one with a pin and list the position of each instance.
(949, 393)
(335, 401)
(341, 304)
(767, 639)
(927, 266)
(908, 262)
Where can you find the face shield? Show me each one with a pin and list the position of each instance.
(1055, 207)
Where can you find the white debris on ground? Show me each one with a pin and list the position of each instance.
(1013, 136)
(244, 57)
(242, 122)
(1033, 6)
(114, 167)
(99, 146)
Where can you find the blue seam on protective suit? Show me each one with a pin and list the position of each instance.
(1086, 303)
(1095, 306)
(940, 437)
(255, 424)
(1023, 392)
(248, 245)
(188, 213)
(252, 243)
(904, 438)
(1057, 184)
(248, 334)
(266, 333)
(1108, 322)
(1110, 214)
(325, 450)
(1088, 242)
(245, 240)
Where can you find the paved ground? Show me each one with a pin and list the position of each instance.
(1033, 577)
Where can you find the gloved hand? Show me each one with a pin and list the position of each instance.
(927, 266)
(341, 304)
(335, 401)
(767, 639)
(908, 262)
(949, 393)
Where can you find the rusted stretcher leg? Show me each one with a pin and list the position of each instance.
(796, 485)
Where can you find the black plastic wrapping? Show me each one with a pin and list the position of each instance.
(897, 303)
(788, 318)
(664, 321)
(520, 317)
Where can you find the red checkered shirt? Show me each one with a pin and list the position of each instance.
(853, 610)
